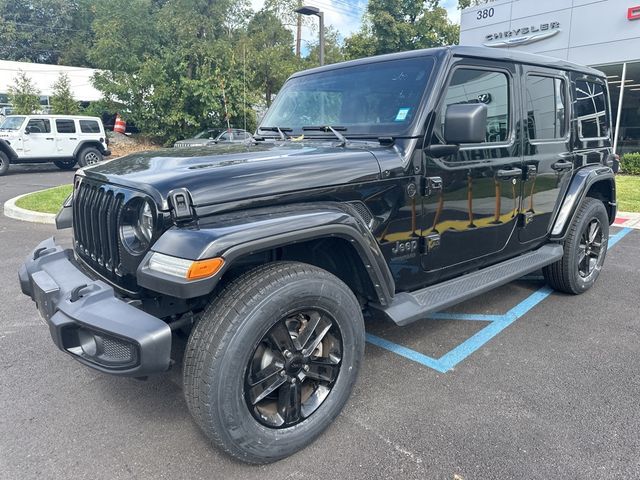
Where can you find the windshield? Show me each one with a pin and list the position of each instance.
(12, 123)
(374, 98)
(208, 134)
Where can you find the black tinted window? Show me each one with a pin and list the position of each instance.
(65, 126)
(89, 126)
(545, 107)
(591, 110)
(481, 86)
(39, 125)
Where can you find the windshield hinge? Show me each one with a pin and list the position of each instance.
(386, 141)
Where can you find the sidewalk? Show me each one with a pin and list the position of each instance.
(627, 219)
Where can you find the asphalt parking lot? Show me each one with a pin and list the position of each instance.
(519, 383)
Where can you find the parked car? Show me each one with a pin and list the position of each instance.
(62, 139)
(395, 186)
(215, 136)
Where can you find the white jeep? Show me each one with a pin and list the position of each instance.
(62, 139)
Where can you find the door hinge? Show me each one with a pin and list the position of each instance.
(429, 243)
(525, 219)
(431, 185)
(530, 172)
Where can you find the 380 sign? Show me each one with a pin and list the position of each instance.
(485, 13)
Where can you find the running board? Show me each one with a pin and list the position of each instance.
(408, 307)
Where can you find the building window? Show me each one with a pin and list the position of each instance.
(545, 100)
(591, 111)
(65, 126)
(481, 86)
(89, 126)
(39, 125)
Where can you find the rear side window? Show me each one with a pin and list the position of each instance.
(65, 126)
(89, 126)
(545, 105)
(591, 110)
(39, 125)
(481, 86)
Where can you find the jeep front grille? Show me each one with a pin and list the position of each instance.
(96, 209)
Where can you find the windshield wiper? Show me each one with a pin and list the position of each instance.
(279, 130)
(329, 128)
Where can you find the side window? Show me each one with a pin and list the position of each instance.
(591, 110)
(481, 86)
(65, 126)
(89, 126)
(39, 125)
(225, 137)
(545, 106)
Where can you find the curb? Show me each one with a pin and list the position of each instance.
(17, 213)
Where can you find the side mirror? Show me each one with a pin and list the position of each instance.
(27, 130)
(465, 123)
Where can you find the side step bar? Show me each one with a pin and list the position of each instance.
(408, 307)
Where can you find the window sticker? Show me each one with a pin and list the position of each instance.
(402, 114)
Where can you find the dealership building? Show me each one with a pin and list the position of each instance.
(604, 34)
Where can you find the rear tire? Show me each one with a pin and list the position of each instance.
(273, 360)
(89, 156)
(585, 249)
(4, 163)
(65, 164)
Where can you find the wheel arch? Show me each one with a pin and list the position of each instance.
(88, 143)
(594, 181)
(7, 150)
(331, 236)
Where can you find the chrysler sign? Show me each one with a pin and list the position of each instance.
(522, 36)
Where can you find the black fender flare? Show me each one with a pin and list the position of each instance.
(89, 143)
(6, 148)
(243, 233)
(579, 186)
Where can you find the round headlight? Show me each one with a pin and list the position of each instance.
(136, 226)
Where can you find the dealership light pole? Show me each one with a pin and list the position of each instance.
(308, 10)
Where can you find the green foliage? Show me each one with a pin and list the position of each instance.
(23, 95)
(628, 193)
(62, 101)
(630, 163)
(333, 52)
(399, 25)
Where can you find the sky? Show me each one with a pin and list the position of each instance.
(345, 15)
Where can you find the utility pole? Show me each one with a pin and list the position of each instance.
(299, 31)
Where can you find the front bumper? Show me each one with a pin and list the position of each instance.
(88, 321)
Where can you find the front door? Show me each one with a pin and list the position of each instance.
(39, 142)
(474, 215)
(547, 158)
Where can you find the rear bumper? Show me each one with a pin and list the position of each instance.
(87, 320)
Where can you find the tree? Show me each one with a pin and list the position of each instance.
(44, 31)
(398, 25)
(62, 101)
(272, 56)
(333, 52)
(23, 95)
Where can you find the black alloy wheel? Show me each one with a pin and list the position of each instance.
(293, 369)
(590, 250)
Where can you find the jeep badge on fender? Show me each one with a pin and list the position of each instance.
(270, 253)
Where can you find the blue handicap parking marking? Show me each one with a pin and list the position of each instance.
(497, 323)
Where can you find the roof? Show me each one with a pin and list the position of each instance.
(53, 116)
(465, 51)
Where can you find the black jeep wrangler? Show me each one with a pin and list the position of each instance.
(393, 186)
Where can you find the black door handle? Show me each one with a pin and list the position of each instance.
(49, 138)
(562, 165)
(511, 173)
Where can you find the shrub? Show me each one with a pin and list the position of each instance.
(630, 163)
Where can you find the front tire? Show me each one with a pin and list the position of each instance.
(273, 360)
(89, 156)
(585, 249)
(4, 163)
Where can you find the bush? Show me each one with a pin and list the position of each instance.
(630, 163)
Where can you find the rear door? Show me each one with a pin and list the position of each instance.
(66, 137)
(547, 149)
(474, 216)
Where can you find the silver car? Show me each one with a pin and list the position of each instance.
(215, 136)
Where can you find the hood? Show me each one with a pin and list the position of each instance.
(236, 172)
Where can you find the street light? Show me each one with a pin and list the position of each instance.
(309, 10)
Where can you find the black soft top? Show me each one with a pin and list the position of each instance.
(465, 51)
